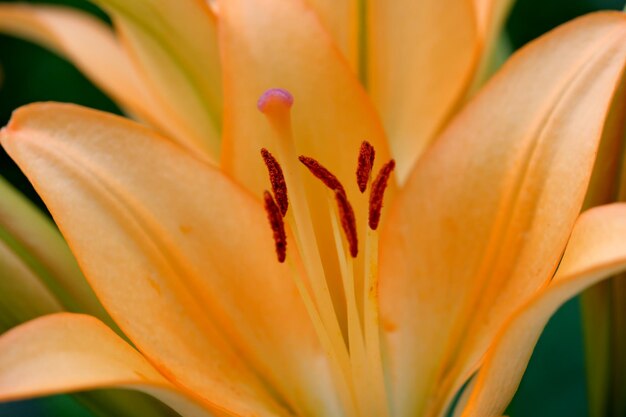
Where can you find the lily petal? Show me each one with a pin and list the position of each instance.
(510, 174)
(341, 20)
(174, 46)
(197, 287)
(597, 250)
(490, 13)
(490, 17)
(93, 48)
(39, 276)
(421, 59)
(66, 352)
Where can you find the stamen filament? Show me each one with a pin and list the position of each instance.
(339, 369)
(371, 323)
(358, 358)
(356, 365)
(300, 220)
(371, 305)
(276, 104)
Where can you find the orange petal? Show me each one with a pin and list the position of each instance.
(341, 20)
(39, 276)
(93, 48)
(490, 17)
(489, 13)
(67, 352)
(597, 250)
(173, 44)
(421, 59)
(181, 258)
(484, 218)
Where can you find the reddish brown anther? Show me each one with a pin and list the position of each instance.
(364, 165)
(377, 193)
(327, 177)
(277, 179)
(278, 226)
(348, 221)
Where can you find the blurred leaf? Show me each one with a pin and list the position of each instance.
(37, 251)
(123, 403)
(54, 406)
(596, 321)
(554, 383)
(531, 18)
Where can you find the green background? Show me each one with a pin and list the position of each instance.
(554, 385)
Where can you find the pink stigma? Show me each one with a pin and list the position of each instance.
(274, 97)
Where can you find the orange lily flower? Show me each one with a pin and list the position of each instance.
(479, 242)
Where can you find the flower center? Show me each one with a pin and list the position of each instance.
(355, 358)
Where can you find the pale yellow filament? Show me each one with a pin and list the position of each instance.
(299, 220)
(343, 384)
(356, 367)
(372, 324)
(355, 334)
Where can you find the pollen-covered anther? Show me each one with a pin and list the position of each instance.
(377, 193)
(364, 166)
(348, 221)
(323, 174)
(277, 179)
(278, 226)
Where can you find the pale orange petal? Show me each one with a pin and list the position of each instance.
(174, 46)
(597, 250)
(341, 20)
(181, 257)
(67, 352)
(484, 218)
(490, 17)
(489, 13)
(421, 58)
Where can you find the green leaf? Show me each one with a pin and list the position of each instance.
(38, 274)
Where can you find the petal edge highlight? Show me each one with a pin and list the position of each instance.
(66, 352)
(597, 250)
